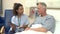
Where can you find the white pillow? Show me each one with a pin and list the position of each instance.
(36, 25)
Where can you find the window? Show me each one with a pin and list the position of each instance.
(0, 6)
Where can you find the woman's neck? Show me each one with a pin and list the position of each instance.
(19, 15)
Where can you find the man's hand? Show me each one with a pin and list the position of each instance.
(27, 28)
(20, 27)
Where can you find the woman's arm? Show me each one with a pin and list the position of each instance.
(12, 26)
(24, 26)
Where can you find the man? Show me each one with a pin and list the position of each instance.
(47, 21)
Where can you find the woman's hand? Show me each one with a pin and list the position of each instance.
(23, 26)
(20, 26)
(13, 26)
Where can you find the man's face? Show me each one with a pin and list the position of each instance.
(20, 10)
(40, 9)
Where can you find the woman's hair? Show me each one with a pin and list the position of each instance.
(16, 7)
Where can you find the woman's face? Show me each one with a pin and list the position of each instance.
(20, 10)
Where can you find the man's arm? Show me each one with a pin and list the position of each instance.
(39, 29)
(50, 23)
(27, 28)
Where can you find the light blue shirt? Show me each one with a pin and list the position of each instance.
(47, 22)
(20, 21)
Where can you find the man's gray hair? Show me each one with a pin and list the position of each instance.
(42, 3)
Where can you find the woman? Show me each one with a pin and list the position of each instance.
(19, 20)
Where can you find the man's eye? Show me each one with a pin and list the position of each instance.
(37, 8)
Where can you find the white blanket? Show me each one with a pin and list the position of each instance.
(33, 32)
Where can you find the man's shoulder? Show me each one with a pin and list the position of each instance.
(49, 16)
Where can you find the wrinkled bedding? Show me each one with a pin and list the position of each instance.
(34, 32)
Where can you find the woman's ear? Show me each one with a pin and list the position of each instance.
(16, 10)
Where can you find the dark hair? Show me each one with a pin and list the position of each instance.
(16, 7)
(42, 3)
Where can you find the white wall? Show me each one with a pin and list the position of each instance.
(8, 4)
(55, 13)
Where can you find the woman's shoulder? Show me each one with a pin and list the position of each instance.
(25, 15)
(13, 17)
